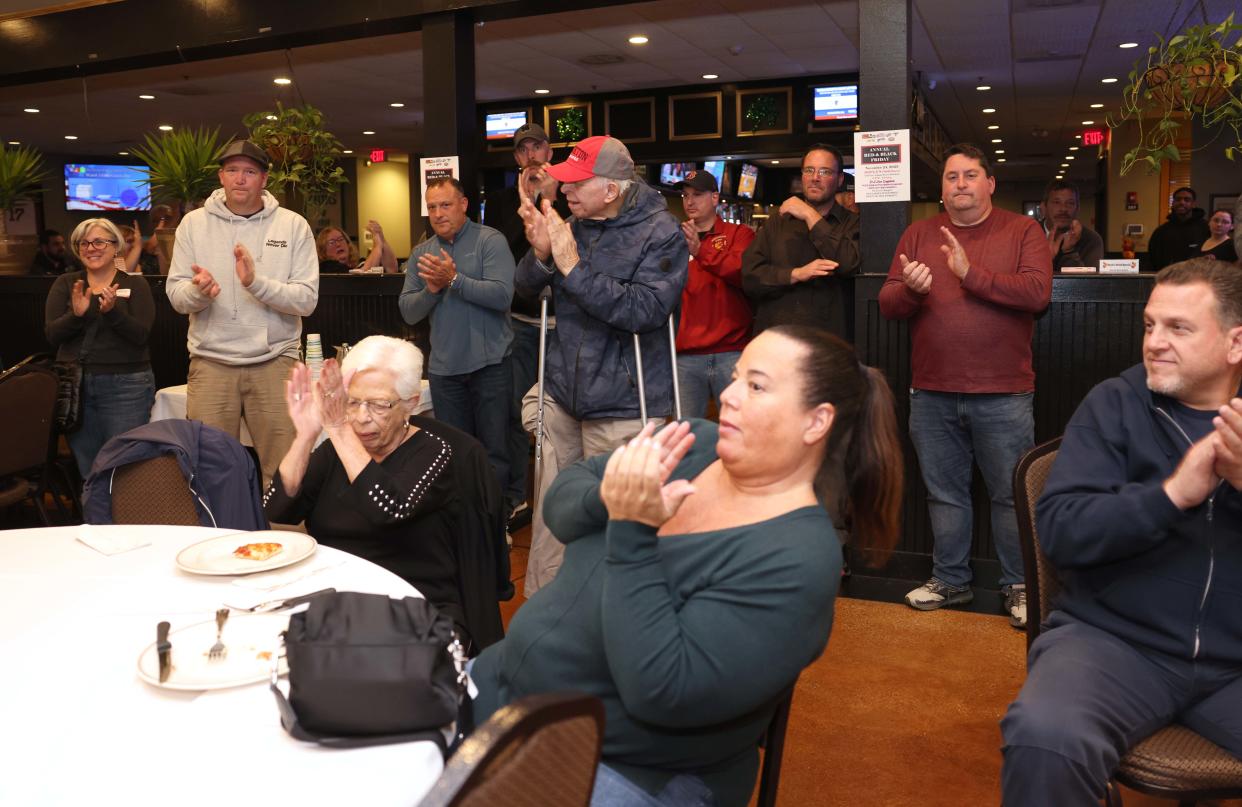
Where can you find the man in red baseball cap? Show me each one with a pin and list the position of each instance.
(616, 267)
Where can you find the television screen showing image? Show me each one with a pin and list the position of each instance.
(502, 125)
(106, 187)
(835, 103)
(672, 173)
(746, 183)
(716, 169)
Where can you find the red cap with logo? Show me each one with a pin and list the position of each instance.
(599, 156)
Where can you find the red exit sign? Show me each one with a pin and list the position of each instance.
(377, 155)
(1094, 137)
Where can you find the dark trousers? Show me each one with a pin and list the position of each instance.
(524, 365)
(478, 404)
(1090, 696)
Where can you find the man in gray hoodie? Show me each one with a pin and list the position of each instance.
(246, 271)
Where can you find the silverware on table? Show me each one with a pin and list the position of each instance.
(218, 650)
(164, 648)
(281, 604)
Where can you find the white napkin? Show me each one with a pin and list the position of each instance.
(271, 581)
(112, 542)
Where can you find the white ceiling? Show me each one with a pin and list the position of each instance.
(1043, 59)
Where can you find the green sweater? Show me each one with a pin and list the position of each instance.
(689, 640)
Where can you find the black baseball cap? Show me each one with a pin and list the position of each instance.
(247, 149)
(700, 181)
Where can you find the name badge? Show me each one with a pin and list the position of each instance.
(124, 293)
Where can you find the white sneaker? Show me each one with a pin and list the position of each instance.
(1015, 604)
(937, 594)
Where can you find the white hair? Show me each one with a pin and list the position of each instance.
(396, 356)
(82, 229)
(623, 185)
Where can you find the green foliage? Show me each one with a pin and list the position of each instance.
(21, 175)
(304, 156)
(1193, 76)
(761, 113)
(571, 125)
(183, 163)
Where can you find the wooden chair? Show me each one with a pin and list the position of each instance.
(773, 744)
(539, 751)
(153, 491)
(27, 404)
(1175, 762)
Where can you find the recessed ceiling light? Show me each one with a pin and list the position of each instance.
(282, 81)
(270, 117)
(15, 142)
(1000, 151)
(1078, 137)
(776, 162)
(1128, 45)
(638, 39)
(147, 97)
(71, 137)
(994, 126)
(1073, 148)
(542, 92)
(1000, 159)
(1097, 106)
(123, 153)
(987, 110)
(1060, 176)
(996, 140)
(164, 127)
(1069, 156)
(397, 105)
(368, 132)
(710, 76)
(30, 109)
(1108, 81)
(348, 151)
(1088, 123)
(983, 87)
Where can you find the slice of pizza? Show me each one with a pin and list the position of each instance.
(257, 551)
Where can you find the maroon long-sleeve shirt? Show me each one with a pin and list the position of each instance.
(973, 335)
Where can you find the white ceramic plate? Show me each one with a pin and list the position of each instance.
(251, 639)
(215, 555)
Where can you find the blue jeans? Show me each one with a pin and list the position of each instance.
(614, 790)
(478, 404)
(948, 429)
(524, 363)
(112, 404)
(702, 377)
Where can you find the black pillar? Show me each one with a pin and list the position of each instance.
(449, 120)
(884, 101)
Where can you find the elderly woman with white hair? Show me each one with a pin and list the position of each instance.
(101, 317)
(378, 487)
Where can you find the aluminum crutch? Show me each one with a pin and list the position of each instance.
(638, 364)
(544, 296)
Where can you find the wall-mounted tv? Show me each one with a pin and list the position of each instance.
(502, 125)
(90, 186)
(747, 181)
(716, 169)
(672, 173)
(837, 102)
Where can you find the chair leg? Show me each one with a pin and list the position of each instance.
(1112, 795)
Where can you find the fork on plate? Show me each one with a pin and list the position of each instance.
(218, 650)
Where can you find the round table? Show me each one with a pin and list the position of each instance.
(78, 726)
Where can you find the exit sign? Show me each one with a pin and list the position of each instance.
(377, 155)
(1094, 137)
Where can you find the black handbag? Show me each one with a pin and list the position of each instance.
(69, 385)
(366, 669)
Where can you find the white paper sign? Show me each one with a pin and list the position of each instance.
(20, 219)
(1119, 266)
(882, 166)
(434, 168)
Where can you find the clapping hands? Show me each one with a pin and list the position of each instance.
(635, 485)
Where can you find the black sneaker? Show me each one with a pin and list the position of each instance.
(937, 594)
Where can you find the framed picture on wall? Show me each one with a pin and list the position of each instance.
(1222, 201)
(631, 120)
(696, 116)
(566, 124)
(766, 111)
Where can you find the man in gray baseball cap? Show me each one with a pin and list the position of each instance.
(617, 266)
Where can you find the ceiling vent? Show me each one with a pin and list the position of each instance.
(602, 59)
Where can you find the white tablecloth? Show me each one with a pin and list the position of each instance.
(78, 726)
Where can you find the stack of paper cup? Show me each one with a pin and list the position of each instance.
(314, 354)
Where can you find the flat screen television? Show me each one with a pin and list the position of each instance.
(716, 169)
(837, 102)
(91, 186)
(502, 125)
(747, 181)
(672, 173)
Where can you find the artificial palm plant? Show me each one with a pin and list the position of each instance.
(21, 178)
(183, 165)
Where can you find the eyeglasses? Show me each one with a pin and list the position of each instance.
(823, 173)
(377, 408)
(97, 243)
(334, 242)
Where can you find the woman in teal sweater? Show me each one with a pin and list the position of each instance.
(700, 571)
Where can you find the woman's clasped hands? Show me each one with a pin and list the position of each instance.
(635, 485)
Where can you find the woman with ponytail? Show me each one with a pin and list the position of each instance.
(700, 570)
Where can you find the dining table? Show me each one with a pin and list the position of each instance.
(79, 722)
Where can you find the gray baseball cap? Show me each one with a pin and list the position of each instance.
(247, 149)
(599, 156)
(529, 131)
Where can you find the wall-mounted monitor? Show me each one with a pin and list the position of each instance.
(672, 173)
(747, 181)
(502, 125)
(836, 102)
(716, 169)
(95, 187)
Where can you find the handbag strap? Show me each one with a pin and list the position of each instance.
(289, 721)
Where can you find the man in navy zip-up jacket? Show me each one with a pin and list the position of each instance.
(1142, 516)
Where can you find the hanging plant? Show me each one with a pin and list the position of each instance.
(761, 113)
(304, 156)
(1194, 76)
(571, 125)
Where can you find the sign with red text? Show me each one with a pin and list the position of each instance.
(1094, 137)
(430, 168)
(377, 155)
(882, 166)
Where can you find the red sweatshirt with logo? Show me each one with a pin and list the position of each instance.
(715, 314)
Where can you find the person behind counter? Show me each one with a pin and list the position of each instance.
(338, 254)
(101, 317)
(1220, 246)
(700, 570)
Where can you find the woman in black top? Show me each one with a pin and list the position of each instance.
(378, 487)
(1219, 245)
(101, 317)
(338, 254)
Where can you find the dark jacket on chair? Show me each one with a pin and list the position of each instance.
(221, 476)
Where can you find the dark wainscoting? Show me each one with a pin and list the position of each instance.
(1092, 330)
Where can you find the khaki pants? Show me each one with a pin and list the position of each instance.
(565, 441)
(221, 395)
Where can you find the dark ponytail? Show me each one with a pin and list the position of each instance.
(863, 438)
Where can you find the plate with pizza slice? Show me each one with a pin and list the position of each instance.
(239, 553)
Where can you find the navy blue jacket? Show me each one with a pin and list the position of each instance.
(1133, 564)
(222, 477)
(629, 277)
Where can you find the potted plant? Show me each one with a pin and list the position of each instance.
(304, 157)
(1194, 76)
(183, 166)
(21, 178)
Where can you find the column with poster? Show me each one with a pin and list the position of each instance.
(430, 168)
(882, 166)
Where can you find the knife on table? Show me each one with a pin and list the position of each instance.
(164, 648)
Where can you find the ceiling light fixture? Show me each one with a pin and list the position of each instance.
(1128, 45)
(996, 140)
(147, 97)
(1088, 123)
(1069, 156)
(1000, 151)
(123, 153)
(710, 76)
(397, 105)
(1108, 81)
(542, 92)
(1073, 148)
(1097, 106)
(15, 142)
(368, 132)
(1060, 176)
(348, 151)
(983, 87)
(30, 109)
(776, 162)
(1078, 137)
(164, 127)
(987, 110)
(270, 117)
(1000, 159)
(994, 126)
(282, 81)
(71, 137)
(638, 39)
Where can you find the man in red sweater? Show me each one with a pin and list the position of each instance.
(715, 314)
(970, 280)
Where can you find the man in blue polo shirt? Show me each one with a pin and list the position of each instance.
(463, 279)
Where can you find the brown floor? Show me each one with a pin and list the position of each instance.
(902, 710)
